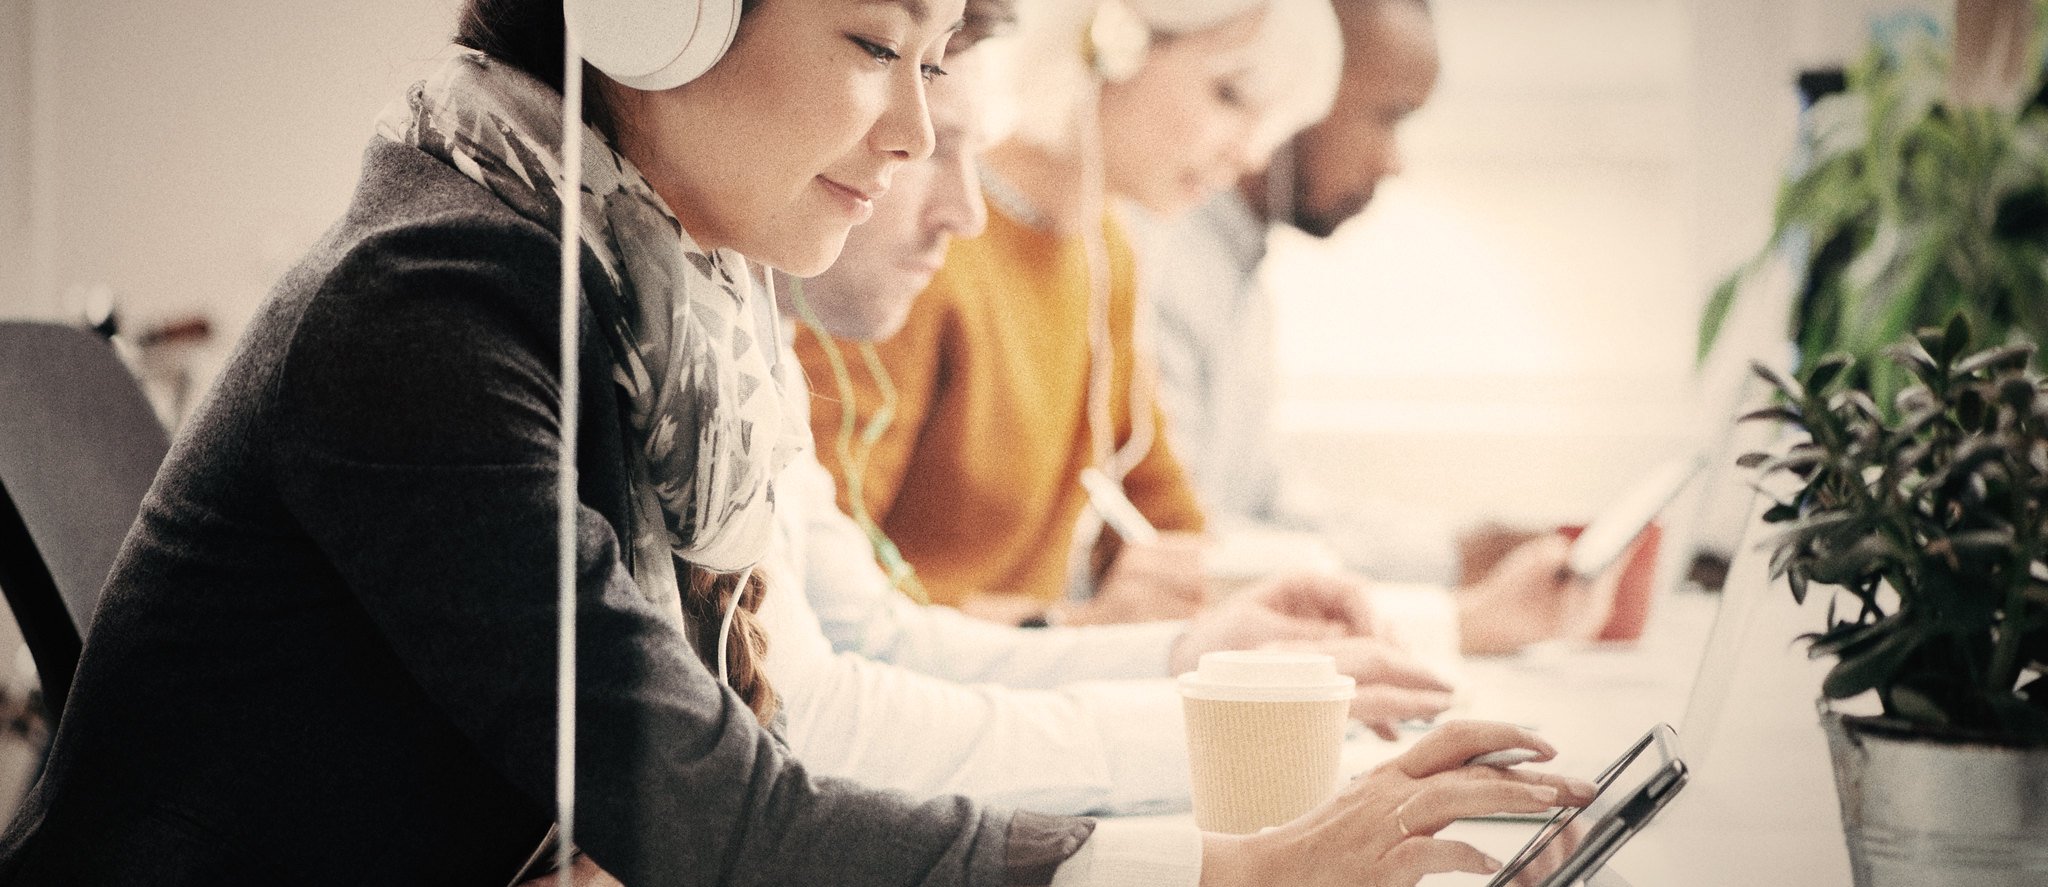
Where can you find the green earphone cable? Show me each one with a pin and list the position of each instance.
(854, 460)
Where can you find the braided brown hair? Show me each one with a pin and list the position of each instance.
(704, 597)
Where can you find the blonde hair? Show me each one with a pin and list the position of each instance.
(1049, 81)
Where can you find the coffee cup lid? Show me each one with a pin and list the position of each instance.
(1266, 676)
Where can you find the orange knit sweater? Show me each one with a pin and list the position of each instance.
(976, 479)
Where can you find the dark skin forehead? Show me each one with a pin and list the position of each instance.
(1392, 45)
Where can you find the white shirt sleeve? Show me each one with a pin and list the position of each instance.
(927, 701)
(1122, 853)
(1091, 747)
(859, 612)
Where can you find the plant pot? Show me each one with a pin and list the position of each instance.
(1923, 812)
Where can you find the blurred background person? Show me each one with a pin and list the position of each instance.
(1214, 340)
(1015, 369)
(974, 421)
(924, 699)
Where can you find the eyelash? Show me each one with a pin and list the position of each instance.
(888, 56)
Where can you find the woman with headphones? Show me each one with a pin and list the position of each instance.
(327, 652)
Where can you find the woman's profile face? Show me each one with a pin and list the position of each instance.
(783, 145)
(1180, 129)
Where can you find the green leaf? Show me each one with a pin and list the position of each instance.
(1913, 355)
(1850, 637)
(1780, 414)
(1840, 127)
(1972, 408)
(1918, 406)
(1973, 454)
(1856, 404)
(1800, 461)
(1872, 667)
(1788, 546)
(1955, 339)
(1781, 560)
(2036, 691)
(1826, 370)
(1912, 456)
(1930, 342)
(1716, 315)
(2018, 392)
(1865, 559)
(1916, 706)
(1785, 386)
(1996, 543)
(1890, 289)
(2007, 357)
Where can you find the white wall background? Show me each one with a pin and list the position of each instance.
(1516, 313)
(1509, 330)
(182, 156)
(14, 140)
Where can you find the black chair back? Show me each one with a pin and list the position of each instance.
(79, 447)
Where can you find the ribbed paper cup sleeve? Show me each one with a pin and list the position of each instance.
(1265, 731)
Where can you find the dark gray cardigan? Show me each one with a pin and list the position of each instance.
(326, 654)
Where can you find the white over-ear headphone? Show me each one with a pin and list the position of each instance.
(653, 44)
(1116, 42)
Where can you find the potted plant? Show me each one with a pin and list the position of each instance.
(1919, 198)
(1930, 523)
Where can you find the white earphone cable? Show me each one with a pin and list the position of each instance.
(731, 612)
(855, 444)
(1095, 250)
(1114, 460)
(565, 495)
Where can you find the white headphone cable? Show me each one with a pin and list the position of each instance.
(1113, 460)
(854, 457)
(732, 611)
(1095, 251)
(565, 494)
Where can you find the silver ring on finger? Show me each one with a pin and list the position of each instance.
(1401, 820)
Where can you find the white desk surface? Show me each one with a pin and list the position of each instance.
(1759, 809)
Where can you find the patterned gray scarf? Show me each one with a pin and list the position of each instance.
(694, 337)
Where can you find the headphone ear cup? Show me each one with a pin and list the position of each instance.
(1117, 42)
(652, 44)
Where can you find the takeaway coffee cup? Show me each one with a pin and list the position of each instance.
(1264, 733)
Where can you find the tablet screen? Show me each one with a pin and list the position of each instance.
(1643, 771)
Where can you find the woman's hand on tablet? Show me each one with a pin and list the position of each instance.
(1380, 829)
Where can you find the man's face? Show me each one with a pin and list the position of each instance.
(1390, 68)
(890, 258)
